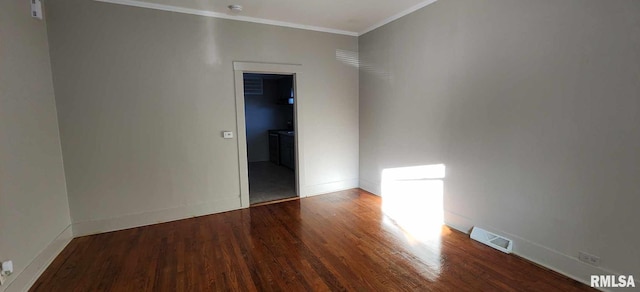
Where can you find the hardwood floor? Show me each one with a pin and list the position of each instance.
(339, 241)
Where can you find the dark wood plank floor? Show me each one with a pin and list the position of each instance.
(339, 241)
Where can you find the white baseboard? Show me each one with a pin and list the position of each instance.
(369, 186)
(458, 222)
(32, 272)
(330, 187)
(531, 251)
(154, 217)
(554, 260)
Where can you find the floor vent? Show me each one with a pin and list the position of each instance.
(493, 240)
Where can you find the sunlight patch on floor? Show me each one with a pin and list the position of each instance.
(412, 198)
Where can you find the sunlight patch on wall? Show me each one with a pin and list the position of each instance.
(413, 198)
(211, 43)
(348, 57)
(376, 70)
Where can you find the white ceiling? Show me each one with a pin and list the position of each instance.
(352, 17)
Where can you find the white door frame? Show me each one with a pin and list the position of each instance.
(295, 70)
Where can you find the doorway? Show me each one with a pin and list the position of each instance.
(270, 136)
(294, 71)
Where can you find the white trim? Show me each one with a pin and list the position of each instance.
(458, 222)
(155, 217)
(554, 260)
(369, 186)
(34, 270)
(398, 15)
(331, 187)
(239, 69)
(241, 136)
(258, 67)
(214, 14)
(298, 125)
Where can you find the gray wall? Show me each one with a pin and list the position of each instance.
(534, 108)
(33, 198)
(143, 96)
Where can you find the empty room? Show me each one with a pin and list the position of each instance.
(281, 145)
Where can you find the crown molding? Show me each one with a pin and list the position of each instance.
(398, 15)
(214, 14)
